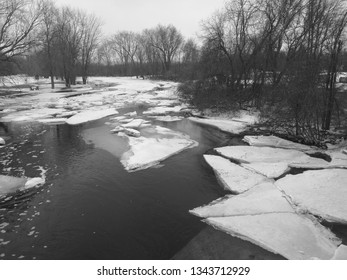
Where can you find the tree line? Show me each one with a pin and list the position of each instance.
(282, 56)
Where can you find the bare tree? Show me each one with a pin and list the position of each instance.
(166, 40)
(91, 32)
(70, 34)
(49, 21)
(18, 20)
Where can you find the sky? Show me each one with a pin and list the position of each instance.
(136, 15)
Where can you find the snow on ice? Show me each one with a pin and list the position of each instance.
(276, 142)
(293, 236)
(232, 176)
(90, 115)
(321, 192)
(145, 152)
(261, 199)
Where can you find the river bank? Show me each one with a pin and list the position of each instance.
(153, 146)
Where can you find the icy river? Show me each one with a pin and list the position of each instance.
(90, 207)
(124, 169)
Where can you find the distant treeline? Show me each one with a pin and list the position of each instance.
(281, 56)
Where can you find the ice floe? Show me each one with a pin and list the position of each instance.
(2, 141)
(134, 123)
(90, 115)
(290, 235)
(321, 192)
(53, 121)
(132, 132)
(271, 162)
(162, 110)
(232, 176)
(276, 142)
(145, 152)
(341, 253)
(9, 184)
(230, 126)
(261, 199)
(167, 118)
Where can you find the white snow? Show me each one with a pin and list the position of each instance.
(232, 176)
(9, 184)
(53, 121)
(146, 152)
(167, 118)
(162, 110)
(230, 126)
(31, 115)
(341, 253)
(33, 182)
(290, 235)
(90, 115)
(261, 199)
(321, 192)
(134, 123)
(276, 142)
(132, 132)
(271, 162)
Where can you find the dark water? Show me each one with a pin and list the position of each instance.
(90, 207)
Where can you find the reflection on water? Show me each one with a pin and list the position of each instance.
(90, 207)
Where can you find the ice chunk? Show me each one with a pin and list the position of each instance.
(232, 176)
(91, 115)
(276, 142)
(134, 123)
(341, 253)
(132, 132)
(270, 170)
(162, 110)
(229, 126)
(53, 121)
(248, 154)
(9, 184)
(263, 198)
(2, 141)
(290, 235)
(168, 118)
(271, 162)
(33, 182)
(131, 114)
(345, 152)
(117, 129)
(146, 152)
(321, 192)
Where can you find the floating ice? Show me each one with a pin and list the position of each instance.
(146, 152)
(290, 235)
(229, 126)
(53, 121)
(2, 141)
(167, 118)
(271, 162)
(9, 184)
(232, 176)
(90, 115)
(162, 110)
(321, 192)
(341, 253)
(261, 199)
(276, 142)
(132, 132)
(134, 123)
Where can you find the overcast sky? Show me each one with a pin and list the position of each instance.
(136, 15)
